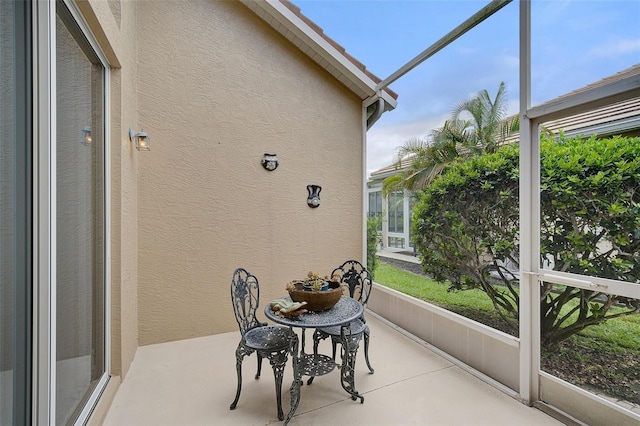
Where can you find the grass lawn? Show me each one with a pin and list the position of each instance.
(428, 290)
(604, 358)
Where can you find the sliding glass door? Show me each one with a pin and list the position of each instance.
(80, 218)
(53, 215)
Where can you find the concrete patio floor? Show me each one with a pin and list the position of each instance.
(192, 382)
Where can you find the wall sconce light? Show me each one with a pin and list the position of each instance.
(141, 139)
(86, 136)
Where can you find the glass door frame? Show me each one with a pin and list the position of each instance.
(44, 211)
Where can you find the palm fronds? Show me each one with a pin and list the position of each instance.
(484, 132)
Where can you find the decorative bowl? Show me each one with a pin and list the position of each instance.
(317, 300)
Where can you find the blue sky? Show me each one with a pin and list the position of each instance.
(574, 43)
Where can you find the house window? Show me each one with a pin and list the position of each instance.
(396, 212)
(396, 242)
(375, 206)
(375, 203)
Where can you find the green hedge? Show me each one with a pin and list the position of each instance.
(466, 227)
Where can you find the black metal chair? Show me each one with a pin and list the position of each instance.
(271, 342)
(356, 280)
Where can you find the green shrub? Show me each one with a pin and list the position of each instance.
(373, 239)
(467, 221)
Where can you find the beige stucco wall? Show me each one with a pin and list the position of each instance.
(114, 25)
(217, 88)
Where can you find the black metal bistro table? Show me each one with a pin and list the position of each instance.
(341, 314)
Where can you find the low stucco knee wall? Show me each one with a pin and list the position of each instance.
(491, 352)
(585, 407)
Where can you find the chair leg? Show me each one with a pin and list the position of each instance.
(241, 352)
(366, 351)
(348, 351)
(278, 362)
(259, 366)
(334, 343)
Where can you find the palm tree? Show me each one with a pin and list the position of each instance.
(487, 128)
(484, 132)
(427, 158)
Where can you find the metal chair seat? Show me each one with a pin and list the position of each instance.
(268, 338)
(357, 327)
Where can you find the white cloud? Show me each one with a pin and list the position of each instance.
(383, 140)
(510, 61)
(614, 47)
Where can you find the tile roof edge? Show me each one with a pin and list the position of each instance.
(297, 11)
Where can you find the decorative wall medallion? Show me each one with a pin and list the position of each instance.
(270, 162)
(314, 195)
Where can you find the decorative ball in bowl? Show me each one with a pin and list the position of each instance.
(317, 300)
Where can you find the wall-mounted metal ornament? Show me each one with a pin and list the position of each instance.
(270, 162)
(314, 195)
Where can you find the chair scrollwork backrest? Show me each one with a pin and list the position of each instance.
(245, 296)
(356, 280)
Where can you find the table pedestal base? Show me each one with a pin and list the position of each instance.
(317, 365)
(342, 314)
